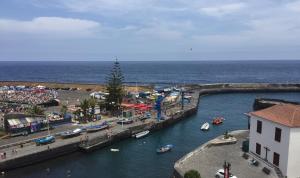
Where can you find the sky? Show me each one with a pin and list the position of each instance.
(149, 30)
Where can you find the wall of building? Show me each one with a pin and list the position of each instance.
(294, 154)
(267, 139)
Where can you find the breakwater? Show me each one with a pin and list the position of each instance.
(98, 140)
(262, 103)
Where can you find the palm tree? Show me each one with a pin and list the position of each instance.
(84, 105)
(92, 104)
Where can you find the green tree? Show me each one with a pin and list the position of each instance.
(92, 104)
(114, 86)
(63, 110)
(35, 110)
(101, 105)
(84, 105)
(77, 113)
(192, 174)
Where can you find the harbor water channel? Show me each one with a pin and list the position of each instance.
(137, 158)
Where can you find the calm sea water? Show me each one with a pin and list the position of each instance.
(138, 159)
(155, 72)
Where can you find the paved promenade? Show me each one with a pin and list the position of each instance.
(208, 158)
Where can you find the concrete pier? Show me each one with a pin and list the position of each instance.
(210, 157)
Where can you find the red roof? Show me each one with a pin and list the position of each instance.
(285, 114)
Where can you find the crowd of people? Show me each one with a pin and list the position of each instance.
(32, 97)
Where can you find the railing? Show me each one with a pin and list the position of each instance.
(276, 169)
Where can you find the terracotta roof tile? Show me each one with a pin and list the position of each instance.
(285, 114)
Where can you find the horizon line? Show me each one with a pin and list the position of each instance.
(163, 60)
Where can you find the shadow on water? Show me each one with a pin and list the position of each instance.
(137, 158)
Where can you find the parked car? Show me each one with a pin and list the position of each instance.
(220, 174)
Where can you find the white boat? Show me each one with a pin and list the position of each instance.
(205, 126)
(114, 150)
(71, 133)
(164, 149)
(142, 134)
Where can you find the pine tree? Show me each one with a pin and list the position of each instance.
(114, 86)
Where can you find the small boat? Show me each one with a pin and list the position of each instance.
(114, 150)
(205, 126)
(141, 134)
(164, 149)
(96, 128)
(45, 140)
(125, 121)
(217, 121)
(72, 133)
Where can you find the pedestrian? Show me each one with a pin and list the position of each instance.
(48, 147)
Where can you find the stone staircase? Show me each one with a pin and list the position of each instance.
(278, 172)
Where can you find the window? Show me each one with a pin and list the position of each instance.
(277, 134)
(258, 148)
(276, 158)
(259, 126)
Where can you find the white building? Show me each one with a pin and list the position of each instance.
(275, 137)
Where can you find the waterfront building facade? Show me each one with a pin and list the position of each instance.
(275, 137)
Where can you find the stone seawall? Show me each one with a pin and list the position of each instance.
(97, 143)
(36, 157)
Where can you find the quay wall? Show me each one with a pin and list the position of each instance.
(39, 156)
(96, 143)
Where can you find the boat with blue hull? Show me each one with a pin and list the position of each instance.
(44, 140)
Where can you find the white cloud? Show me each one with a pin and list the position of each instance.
(223, 9)
(103, 5)
(52, 26)
(162, 33)
(295, 6)
(164, 25)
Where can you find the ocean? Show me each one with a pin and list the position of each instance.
(155, 72)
